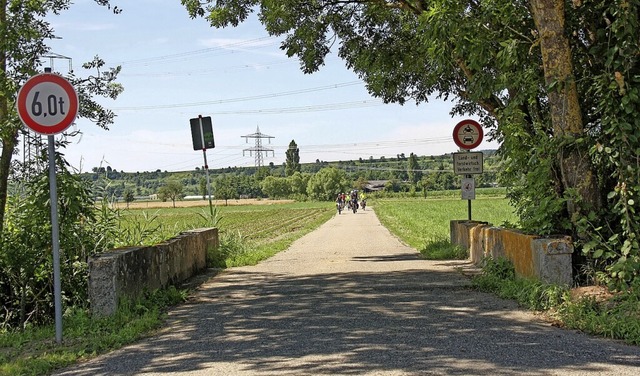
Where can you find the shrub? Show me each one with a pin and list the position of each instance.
(26, 271)
(442, 249)
(233, 245)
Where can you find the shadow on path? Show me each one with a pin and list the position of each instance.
(407, 322)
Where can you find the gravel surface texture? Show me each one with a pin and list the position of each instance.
(350, 299)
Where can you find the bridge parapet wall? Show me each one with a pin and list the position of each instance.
(547, 259)
(128, 272)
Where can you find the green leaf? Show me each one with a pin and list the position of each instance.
(588, 247)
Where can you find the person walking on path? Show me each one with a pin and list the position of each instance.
(357, 302)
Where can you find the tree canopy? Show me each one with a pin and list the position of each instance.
(556, 82)
(25, 241)
(171, 190)
(292, 163)
(327, 183)
(24, 35)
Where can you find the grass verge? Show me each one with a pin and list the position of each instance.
(424, 224)
(616, 316)
(34, 351)
(442, 249)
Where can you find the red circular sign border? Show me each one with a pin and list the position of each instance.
(24, 115)
(462, 124)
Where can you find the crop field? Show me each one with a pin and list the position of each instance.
(419, 221)
(258, 224)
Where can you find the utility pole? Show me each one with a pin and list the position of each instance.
(258, 148)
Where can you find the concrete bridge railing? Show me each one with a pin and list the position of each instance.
(128, 272)
(547, 259)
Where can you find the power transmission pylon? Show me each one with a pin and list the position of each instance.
(258, 148)
(52, 56)
(32, 147)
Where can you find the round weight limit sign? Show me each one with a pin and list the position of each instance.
(47, 104)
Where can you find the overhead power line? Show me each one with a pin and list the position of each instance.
(207, 71)
(240, 99)
(378, 144)
(314, 108)
(227, 49)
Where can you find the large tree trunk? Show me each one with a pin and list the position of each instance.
(576, 168)
(8, 146)
(7, 141)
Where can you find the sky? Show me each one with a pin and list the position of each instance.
(175, 68)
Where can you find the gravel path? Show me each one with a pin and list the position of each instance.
(350, 299)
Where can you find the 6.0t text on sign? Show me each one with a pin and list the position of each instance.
(47, 103)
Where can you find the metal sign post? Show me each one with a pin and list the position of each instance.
(206, 167)
(55, 237)
(468, 191)
(202, 137)
(48, 104)
(467, 134)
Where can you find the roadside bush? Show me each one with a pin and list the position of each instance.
(500, 268)
(32, 352)
(617, 318)
(499, 277)
(26, 271)
(233, 245)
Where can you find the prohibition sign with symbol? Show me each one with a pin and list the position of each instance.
(467, 134)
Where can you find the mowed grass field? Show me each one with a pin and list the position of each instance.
(419, 221)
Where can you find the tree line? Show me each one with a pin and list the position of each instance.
(289, 180)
